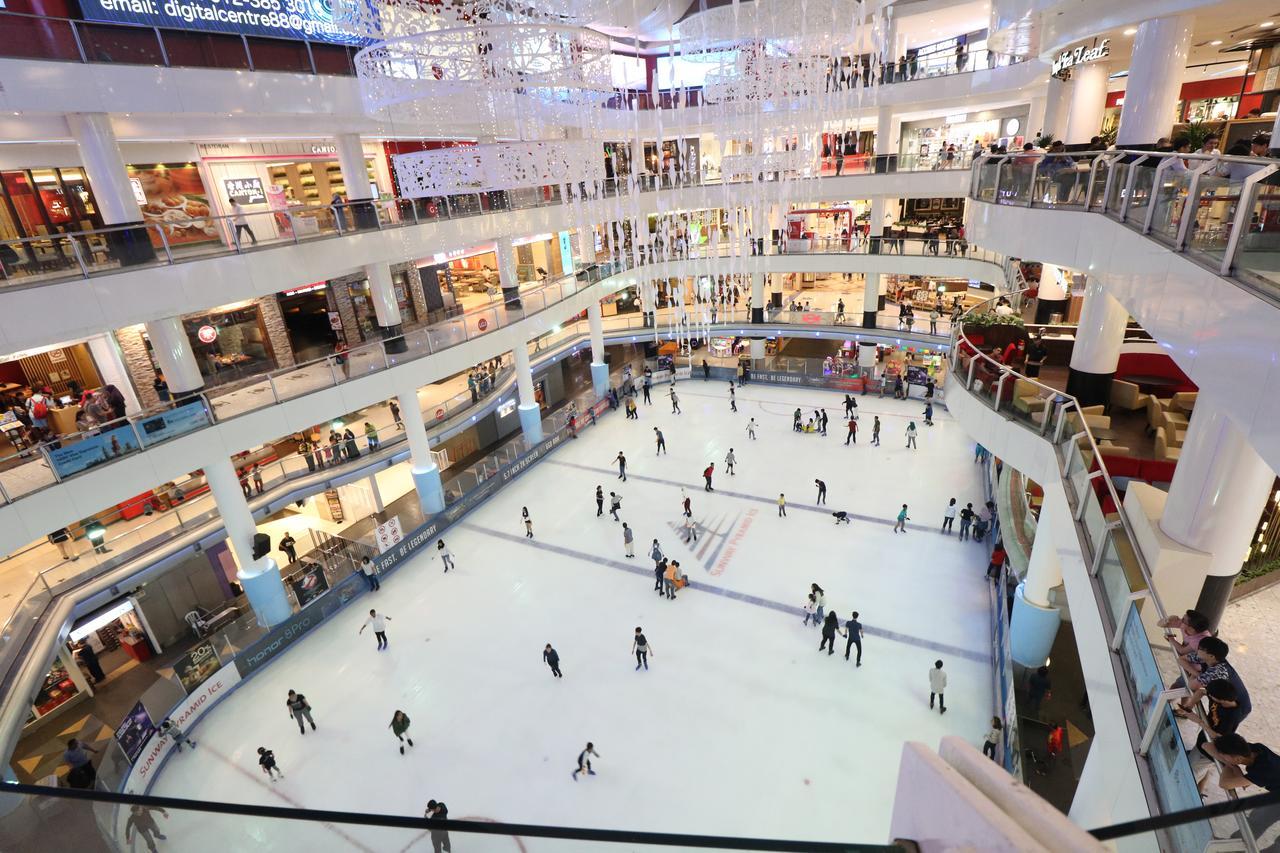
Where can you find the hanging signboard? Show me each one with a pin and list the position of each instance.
(1080, 55)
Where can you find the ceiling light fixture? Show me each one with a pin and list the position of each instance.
(1266, 25)
(1215, 42)
(1131, 31)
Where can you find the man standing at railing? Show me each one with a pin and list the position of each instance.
(240, 223)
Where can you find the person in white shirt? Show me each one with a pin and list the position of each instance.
(379, 623)
(370, 573)
(446, 556)
(949, 517)
(241, 222)
(937, 685)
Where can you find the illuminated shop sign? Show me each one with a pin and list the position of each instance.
(1081, 54)
(290, 19)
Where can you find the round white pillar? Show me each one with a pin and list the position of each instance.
(259, 577)
(529, 410)
(1217, 495)
(1155, 79)
(884, 143)
(1057, 103)
(423, 467)
(1088, 91)
(105, 167)
(1034, 624)
(355, 172)
(1096, 353)
(599, 369)
(173, 352)
(871, 298)
(1053, 292)
(507, 277)
(757, 296)
(109, 361)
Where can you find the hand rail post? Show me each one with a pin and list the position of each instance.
(1157, 179)
(75, 250)
(164, 241)
(1240, 221)
(1128, 188)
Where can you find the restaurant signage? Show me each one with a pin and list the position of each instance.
(1081, 54)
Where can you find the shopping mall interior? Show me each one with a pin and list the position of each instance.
(307, 310)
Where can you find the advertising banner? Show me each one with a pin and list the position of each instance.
(196, 665)
(309, 584)
(93, 450)
(287, 19)
(245, 190)
(389, 534)
(173, 199)
(173, 423)
(134, 730)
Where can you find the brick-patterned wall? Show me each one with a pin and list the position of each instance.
(415, 294)
(277, 334)
(138, 362)
(339, 297)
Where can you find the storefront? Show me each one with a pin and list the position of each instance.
(173, 199)
(229, 342)
(928, 138)
(312, 324)
(366, 316)
(56, 367)
(39, 202)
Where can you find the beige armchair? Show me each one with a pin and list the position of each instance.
(1163, 450)
(1127, 396)
(1184, 401)
(1026, 397)
(1155, 413)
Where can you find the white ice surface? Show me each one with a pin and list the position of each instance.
(739, 728)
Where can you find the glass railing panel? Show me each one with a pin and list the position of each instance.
(1140, 195)
(1114, 582)
(1115, 198)
(1215, 209)
(1175, 784)
(1257, 259)
(1097, 195)
(1170, 202)
(1142, 675)
(1095, 524)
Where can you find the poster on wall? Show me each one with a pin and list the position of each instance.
(134, 730)
(173, 422)
(93, 450)
(245, 190)
(196, 665)
(309, 584)
(279, 204)
(173, 200)
(389, 534)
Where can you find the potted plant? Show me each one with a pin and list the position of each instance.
(994, 330)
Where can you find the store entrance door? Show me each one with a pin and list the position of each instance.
(306, 318)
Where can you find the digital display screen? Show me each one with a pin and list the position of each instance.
(311, 20)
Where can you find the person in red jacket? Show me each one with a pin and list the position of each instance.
(706, 475)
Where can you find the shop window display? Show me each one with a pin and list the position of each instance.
(173, 198)
(366, 316)
(230, 344)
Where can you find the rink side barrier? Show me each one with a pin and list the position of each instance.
(848, 384)
(252, 660)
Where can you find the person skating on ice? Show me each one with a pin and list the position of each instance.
(445, 555)
(143, 821)
(675, 401)
(370, 572)
(436, 812)
(622, 466)
(900, 526)
(584, 762)
(599, 501)
(655, 553)
(690, 529)
(733, 399)
(671, 579)
(641, 648)
(646, 387)
(552, 659)
(795, 420)
(729, 461)
(992, 738)
(662, 441)
(830, 627)
(615, 504)
(937, 685)
(751, 429)
(707, 474)
(267, 761)
(820, 602)
(379, 623)
(399, 726)
(822, 491)
(299, 710)
(822, 421)
(949, 517)
(842, 517)
(928, 413)
(911, 435)
(659, 575)
(810, 609)
(782, 506)
(628, 540)
(852, 435)
(169, 728)
(848, 407)
(966, 521)
(875, 432)
(686, 505)
(853, 630)
(528, 522)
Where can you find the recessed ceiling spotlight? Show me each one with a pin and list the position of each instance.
(1131, 31)
(1267, 24)
(1215, 42)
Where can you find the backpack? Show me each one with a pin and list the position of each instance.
(40, 409)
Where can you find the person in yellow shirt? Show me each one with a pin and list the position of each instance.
(782, 506)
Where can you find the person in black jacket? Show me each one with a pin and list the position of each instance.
(830, 626)
(300, 709)
(287, 546)
(439, 837)
(553, 660)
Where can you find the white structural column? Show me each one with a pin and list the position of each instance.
(355, 172)
(104, 165)
(172, 350)
(1096, 353)
(1035, 622)
(530, 412)
(507, 276)
(107, 357)
(873, 282)
(423, 468)
(1155, 79)
(1057, 103)
(260, 577)
(386, 308)
(599, 367)
(1218, 492)
(1053, 293)
(1088, 102)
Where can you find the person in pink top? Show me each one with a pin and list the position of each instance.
(1194, 626)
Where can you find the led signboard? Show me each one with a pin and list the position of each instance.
(290, 19)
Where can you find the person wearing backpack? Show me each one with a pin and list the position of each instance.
(38, 410)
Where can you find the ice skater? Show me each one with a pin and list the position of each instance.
(528, 524)
(662, 441)
(782, 506)
(729, 461)
(822, 491)
(599, 501)
(659, 574)
(911, 435)
(399, 726)
(937, 685)
(852, 436)
(584, 763)
(949, 517)
(733, 399)
(622, 466)
(795, 421)
(178, 736)
(751, 429)
(820, 600)
(830, 627)
(370, 573)
(690, 529)
(707, 474)
(628, 540)
(267, 761)
(900, 526)
(446, 556)
(967, 516)
(615, 504)
(841, 516)
(875, 432)
(379, 623)
(853, 630)
(646, 387)
(928, 413)
(641, 648)
(655, 553)
(822, 421)
(810, 606)
(675, 401)
(552, 659)
(142, 819)
(686, 505)
(438, 811)
(300, 709)
(992, 738)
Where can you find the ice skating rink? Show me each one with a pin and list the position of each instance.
(739, 728)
